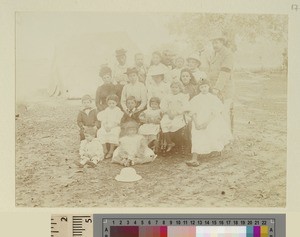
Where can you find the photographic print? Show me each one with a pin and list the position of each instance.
(151, 109)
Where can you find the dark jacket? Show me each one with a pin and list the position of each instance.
(104, 91)
(89, 120)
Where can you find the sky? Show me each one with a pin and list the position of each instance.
(39, 33)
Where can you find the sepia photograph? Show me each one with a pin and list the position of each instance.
(150, 109)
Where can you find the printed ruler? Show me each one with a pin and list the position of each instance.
(168, 225)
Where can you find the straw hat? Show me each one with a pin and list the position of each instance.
(131, 70)
(194, 56)
(158, 70)
(120, 52)
(128, 174)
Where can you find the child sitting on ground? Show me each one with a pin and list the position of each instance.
(150, 128)
(87, 116)
(132, 148)
(90, 151)
(110, 126)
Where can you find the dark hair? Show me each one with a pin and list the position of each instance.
(90, 130)
(86, 97)
(154, 99)
(105, 70)
(193, 80)
(112, 97)
(131, 98)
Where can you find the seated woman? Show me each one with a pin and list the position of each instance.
(173, 122)
(106, 89)
(132, 148)
(159, 87)
(134, 88)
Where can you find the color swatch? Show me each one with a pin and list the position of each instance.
(189, 231)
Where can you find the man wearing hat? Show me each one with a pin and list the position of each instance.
(120, 68)
(194, 63)
(134, 88)
(219, 73)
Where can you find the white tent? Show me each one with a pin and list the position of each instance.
(76, 62)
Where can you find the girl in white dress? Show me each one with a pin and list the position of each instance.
(151, 118)
(110, 119)
(173, 107)
(132, 148)
(210, 132)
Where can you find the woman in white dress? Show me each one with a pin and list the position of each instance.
(210, 132)
(173, 107)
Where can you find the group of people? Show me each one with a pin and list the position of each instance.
(171, 106)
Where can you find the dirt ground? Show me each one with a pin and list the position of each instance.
(252, 174)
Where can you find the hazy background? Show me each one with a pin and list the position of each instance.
(72, 46)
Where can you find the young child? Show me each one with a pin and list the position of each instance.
(131, 114)
(210, 132)
(151, 118)
(189, 82)
(173, 122)
(134, 88)
(194, 64)
(132, 148)
(87, 116)
(90, 149)
(110, 129)
(175, 73)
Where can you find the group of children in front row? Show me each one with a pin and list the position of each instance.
(133, 136)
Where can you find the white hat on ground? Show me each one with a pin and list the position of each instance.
(128, 174)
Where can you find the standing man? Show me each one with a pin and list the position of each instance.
(139, 64)
(219, 73)
(119, 76)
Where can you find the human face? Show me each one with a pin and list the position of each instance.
(106, 78)
(139, 60)
(86, 103)
(217, 44)
(175, 89)
(193, 63)
(133, 77)
(179, 63)
(204, 88)
(131, 104)
(154, 105)
(88, 137)
(155, 59)
(131, 131)
(185, 78)
(158, 78)
(111, 104)
(121, 59)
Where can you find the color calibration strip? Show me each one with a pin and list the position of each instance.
(168, 225)
(188, 231)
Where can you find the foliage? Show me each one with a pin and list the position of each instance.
(196, 27)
